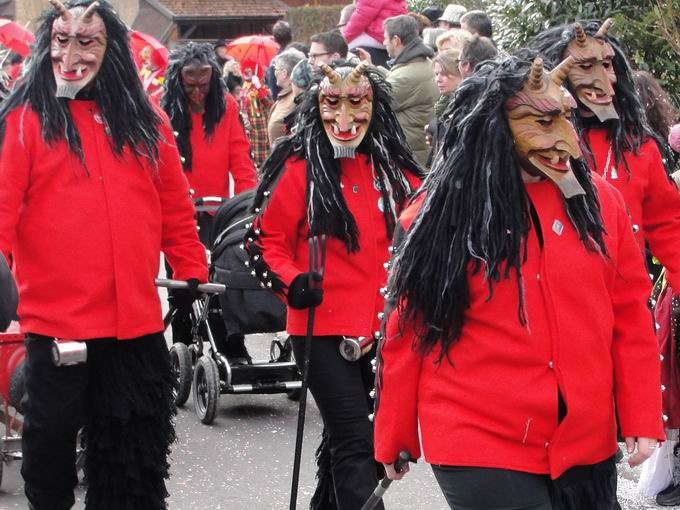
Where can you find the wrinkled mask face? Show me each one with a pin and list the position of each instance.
(593, 76)
(196, 80)
(77, 49)
(346, 106)
(538, 116)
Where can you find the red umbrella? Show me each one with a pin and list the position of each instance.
(140, 40)
(253, 50)
(15, 37)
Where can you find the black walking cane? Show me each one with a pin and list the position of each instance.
(317, 261)
(385, 483)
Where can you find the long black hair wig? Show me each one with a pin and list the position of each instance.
(475, 214)
(124, 106)
(176, 104)
(630, 131)
(384, 143)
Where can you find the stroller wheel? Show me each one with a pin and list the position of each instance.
(17, 386)
(206, 389)
(180, 358)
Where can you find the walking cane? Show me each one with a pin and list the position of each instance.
(317, 260)
(385, 483)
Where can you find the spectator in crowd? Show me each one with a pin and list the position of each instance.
(233, 79)
(345, 15)
(300, 47)
(327, 47)
(422, 21)
(255, 103)
(433, 14)
(658, 106)
(475, 51)
(284, 105)
(430, 36)
(451, 17)
(301, 77)
(221, 52)
(414, 91)
(477, 23)
(447, 77)
(283, 36)
(365, 27)
(453, 39)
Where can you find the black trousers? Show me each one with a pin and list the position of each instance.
(591, 487)
(340, 389)
(122, 396)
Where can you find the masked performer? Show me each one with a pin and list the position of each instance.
(345, 174)
(91, 191)
(211, 141)
(520, 310)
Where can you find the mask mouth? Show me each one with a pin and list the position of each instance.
(77, 73)
(553, 159)
(596, 96)
(344, 135)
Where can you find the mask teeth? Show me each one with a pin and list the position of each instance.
(354, 130)
(336, 129)
(555, 159)
(593, 96)
(79, 72)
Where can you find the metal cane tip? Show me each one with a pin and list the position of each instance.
(61, 9)
(580, 34)
(560, 73)
(536, 74)
(604, 29)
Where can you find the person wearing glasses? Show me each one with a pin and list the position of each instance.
(327, 47)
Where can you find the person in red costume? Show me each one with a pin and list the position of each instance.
(213, 145)
(517, 312)
(91, 193)
(151, 70)
(624, 150)
(346, 173)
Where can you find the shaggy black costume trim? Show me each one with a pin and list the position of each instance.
(630, 131)
(127, 112)
(176, 104)
(476, 213)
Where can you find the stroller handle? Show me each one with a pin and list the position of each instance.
(206, 288)
(208, 204)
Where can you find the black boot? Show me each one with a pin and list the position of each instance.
(670, 496)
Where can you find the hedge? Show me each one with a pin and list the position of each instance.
(309, 20)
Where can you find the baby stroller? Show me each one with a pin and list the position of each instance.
(237, 306)
(12, 353)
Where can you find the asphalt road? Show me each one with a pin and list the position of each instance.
(243, 461)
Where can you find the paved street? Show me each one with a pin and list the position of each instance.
(243, 460)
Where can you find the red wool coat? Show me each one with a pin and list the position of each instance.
(87, 239)
(227, 152)
(589, 333)
(652, 199)
(352, 282)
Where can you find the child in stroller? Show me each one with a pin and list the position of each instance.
(221, 320)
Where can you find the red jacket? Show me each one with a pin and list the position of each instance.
(369, 16)
(227, 152)
(652, 199)
(87, 239)
(589, 333)
(352, 282)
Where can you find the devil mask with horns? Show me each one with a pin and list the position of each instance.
(78, 46)
(545, 140)
(346, 107)
(593, 76)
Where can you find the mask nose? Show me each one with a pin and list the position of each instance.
(602, 80)
(567, 139)
(343, 117)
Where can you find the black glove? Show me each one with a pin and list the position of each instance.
(182, 299)
(300, 295)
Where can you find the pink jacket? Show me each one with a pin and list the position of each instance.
(369, 17)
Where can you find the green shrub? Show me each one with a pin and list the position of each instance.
(309, 20)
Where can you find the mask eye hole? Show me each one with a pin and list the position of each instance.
(586, 66)
(607, 64)
(356, 101)
(61, 39)
(331, 101)
(85, 42)
(545, 122)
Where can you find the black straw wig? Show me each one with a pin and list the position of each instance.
(476, 212)
(176, 104)
(384, 143)
(630, 131)
(127, 112)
